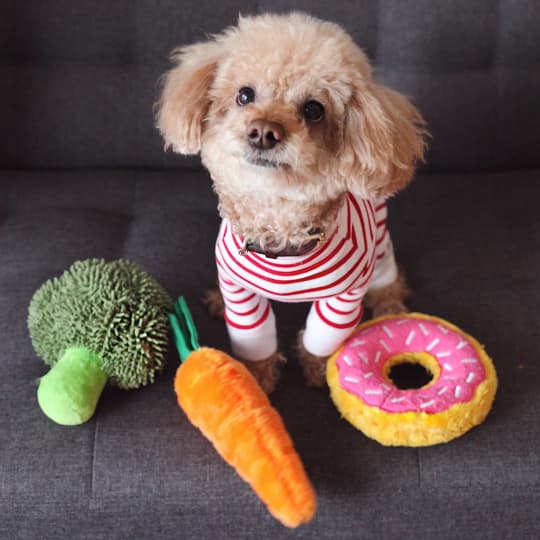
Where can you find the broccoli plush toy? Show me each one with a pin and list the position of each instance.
(99, 322)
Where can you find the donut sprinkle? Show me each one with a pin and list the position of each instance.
(460, 373)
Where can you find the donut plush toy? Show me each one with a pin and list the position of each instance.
(458, 397)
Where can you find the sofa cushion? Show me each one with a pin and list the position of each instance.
(468, 244)
(78, 82)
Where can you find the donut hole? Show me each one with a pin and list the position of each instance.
(409, 376)
(412, 370)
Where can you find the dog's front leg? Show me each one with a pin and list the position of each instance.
(251, 325)
(330, 322)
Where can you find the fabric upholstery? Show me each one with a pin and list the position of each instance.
(138, 468)
(83, 174)
(79, 80)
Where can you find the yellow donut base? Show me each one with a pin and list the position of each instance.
(415, 428)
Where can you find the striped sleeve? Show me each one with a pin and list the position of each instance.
(250, 321)
(331, 321)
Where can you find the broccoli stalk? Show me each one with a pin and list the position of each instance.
(70, 391)
(97, 323)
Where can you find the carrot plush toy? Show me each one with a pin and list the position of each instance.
(221, 398)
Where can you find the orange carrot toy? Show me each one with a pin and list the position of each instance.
(221, 398)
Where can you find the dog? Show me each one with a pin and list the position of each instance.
(303, 148)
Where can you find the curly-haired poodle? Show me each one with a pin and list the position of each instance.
(303, 148)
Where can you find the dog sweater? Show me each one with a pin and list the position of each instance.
(334, 276)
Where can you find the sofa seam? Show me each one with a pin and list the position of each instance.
(419, 466)
(93, 461)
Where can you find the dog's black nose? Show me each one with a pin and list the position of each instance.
(264, 134)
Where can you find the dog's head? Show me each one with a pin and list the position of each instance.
(285, 105)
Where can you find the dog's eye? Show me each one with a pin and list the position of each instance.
(245, 95)
(313, 111)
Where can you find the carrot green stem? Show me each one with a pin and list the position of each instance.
(184, 331)
(69, 393)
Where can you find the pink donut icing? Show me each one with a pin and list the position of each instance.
(362, 359)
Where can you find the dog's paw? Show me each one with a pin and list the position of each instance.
(267, 372)
(213, 300)
(389, 300)
(313, 366)
(393, 307)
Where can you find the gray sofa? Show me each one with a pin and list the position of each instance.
(83, 174)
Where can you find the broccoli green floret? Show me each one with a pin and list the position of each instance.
(115, 310)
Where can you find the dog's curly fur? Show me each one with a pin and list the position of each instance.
(368, 143)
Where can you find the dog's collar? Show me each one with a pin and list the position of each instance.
(316, 236)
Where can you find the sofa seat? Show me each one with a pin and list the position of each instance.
(469, 243)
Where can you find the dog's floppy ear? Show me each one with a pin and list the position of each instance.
(184, 100)
(384, 139)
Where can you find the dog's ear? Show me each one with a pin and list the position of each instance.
(185, 100)
(384, 138)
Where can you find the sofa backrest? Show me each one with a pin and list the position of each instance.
(78, 79)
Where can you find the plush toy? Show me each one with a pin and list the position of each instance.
(99, 322)
(458, 397)
(221, 398)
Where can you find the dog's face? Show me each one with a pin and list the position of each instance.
(284, 110)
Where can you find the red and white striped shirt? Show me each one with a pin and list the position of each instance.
(335, 276)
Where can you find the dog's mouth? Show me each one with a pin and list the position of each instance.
(261, 160)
